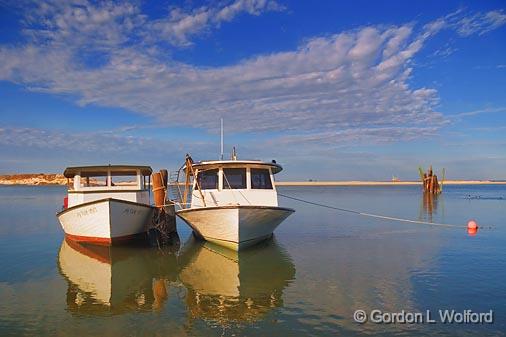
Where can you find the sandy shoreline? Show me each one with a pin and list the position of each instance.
(384, 183)
(33, 179)
(41, 179)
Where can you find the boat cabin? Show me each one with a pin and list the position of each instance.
(234, 182)
(123, 182)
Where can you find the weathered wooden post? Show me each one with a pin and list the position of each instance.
(430, 182)
(158, 190)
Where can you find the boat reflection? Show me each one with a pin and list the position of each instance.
(115, 280)
(226, 286)
(221, 285)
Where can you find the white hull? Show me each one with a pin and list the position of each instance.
(105, 221)
(235, 227)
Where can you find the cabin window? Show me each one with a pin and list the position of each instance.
(234, 178)
(93, 179)
(124, 178)
(208, 180)
(261, 179)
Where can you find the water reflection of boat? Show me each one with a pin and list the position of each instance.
(227, 286)
(222, 285)
(114, 280)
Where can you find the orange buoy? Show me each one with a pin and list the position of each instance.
(472, 225)
(472, 228)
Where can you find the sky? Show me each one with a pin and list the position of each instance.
(332, 90)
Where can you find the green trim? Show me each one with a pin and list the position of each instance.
(235, 207)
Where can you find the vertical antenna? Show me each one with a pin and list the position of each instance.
(221, 139)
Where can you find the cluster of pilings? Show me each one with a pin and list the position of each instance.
(163, 225)
(430, 182)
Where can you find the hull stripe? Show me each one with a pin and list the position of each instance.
(209, 208)
(106, 241)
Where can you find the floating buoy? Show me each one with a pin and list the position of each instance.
(472, 228)
(472, 225)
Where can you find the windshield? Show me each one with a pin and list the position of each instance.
(234, 178)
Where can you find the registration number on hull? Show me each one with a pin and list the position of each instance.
(130, 211)
(86, 212)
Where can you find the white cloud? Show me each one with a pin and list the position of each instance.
(107, 24)
(479, 112)
(362, 136)
(79, 24)
(354, 81)
(94, 146)
(478, 23)
(101, 142)
(445, 51)
(337, 81)
(179, 26)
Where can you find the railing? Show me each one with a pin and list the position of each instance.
(175, 190)
(179, 189)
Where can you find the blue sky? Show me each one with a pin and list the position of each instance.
(330, 89)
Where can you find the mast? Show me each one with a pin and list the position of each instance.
(221, 119)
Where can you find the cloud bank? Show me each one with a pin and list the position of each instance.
(330, 87)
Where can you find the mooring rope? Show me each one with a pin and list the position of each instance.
(378, 216)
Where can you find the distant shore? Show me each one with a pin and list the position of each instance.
(43, 179)
(384, 183)
(33, 179)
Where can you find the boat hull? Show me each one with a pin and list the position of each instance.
(106, 222)
(235, 227)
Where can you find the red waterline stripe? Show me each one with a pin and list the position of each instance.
(105, 241)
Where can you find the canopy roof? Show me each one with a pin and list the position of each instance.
(210, 164)
(70, 172)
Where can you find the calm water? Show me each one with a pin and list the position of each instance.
(320, 267)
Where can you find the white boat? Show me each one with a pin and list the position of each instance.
(106, 204)
(233, 202)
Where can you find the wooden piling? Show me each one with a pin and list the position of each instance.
(158, 190)
(430, 183)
